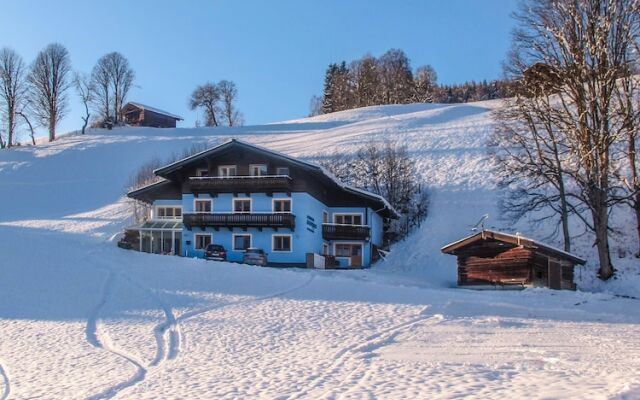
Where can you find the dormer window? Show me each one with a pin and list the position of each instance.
(258, 169)
(227, 170)
(282, 171)
(200, 172)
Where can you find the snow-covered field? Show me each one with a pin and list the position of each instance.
(80, 318)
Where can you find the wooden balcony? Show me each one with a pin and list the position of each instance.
(241, 184)
(280, 220)
(345, 232)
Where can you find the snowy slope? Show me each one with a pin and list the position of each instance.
(80, 318)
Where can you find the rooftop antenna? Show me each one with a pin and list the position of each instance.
(480, 223)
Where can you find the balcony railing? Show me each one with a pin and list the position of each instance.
(240, 184)
(345, 232)
(280, 220)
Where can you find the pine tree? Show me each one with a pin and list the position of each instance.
(329, 88)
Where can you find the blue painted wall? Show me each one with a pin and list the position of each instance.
(306, 238)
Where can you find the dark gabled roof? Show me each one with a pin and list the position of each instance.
(148, 192)
(517, 240)
(167, 170)
(153, 109)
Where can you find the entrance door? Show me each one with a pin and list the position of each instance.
(352, 251)
(176, 243)
(555, 275)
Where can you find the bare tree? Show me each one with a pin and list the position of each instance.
(85, 89)
(366, 81)
(386, 170)
(315, 106)
(628, 106)
(396, 77)
(112, 78)
(531, 155)
(425, 84)
(206, 97)
(228, 95)
(22, 113)
(585, 46)
(12, 90)
(101, 88)
(49, 80)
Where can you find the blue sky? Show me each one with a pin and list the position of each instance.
(275, 51)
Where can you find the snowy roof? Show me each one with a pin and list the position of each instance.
(164, 171)
(153, 109)
(514, 239)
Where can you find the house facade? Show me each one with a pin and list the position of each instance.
(137, 114)
(243, 196)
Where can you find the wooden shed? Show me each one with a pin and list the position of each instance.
(137, 114)
(497, 259)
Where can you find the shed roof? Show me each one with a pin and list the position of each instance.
(153, 109)
(512, 239)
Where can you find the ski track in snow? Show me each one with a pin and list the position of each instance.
(351, 351)
(167, 334)
(6, 388)
(100, 340)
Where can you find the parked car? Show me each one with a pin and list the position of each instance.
(215, 252)
(253, 256)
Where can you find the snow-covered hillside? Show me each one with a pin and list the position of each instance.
(80, 318)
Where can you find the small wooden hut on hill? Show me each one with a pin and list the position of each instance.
(138, 114)
(500, 259)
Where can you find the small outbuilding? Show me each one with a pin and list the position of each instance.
(137, 114)
(497, 259)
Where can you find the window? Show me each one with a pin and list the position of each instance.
(241, 242)
(348, 250)
(282, 205)
(325, 249)
(282, 171)
(202, 206)
(281, 243)
(257, 169)
(241, 205)
(227, 170)
(348, 219)
(201, 241)
(168, 212)
(202, 172)
(325, 217)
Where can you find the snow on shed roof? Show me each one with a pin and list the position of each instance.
(509, 238)
(155, 110)
(163, 171)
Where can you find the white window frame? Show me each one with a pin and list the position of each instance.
(335, 253)
(200, 170)
(195, 210)
(233, 241)
(325, 212)
(156, 213)
(252, 166)
(233, 205)
(273, 243)
(349, 213)
(273, 205)
(221, 167)
(195, 240)
(326, 249)
(279, 169)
